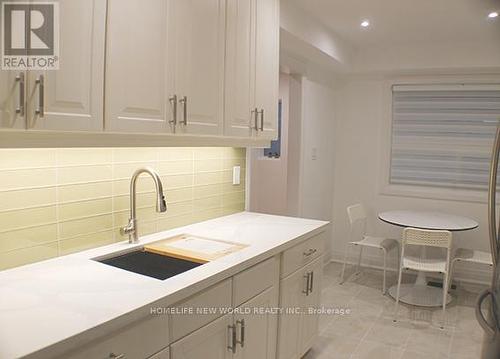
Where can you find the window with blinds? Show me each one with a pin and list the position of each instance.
(442, 135)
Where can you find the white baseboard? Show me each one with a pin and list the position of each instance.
(463, 272)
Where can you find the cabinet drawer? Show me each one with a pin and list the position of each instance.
(302, 254)
(255, 280)
(213, 298)
(140, 339)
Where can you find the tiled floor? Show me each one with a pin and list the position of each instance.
(369, 331)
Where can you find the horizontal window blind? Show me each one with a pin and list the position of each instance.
(442, 135)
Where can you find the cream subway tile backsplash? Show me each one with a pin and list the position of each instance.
(59, 201)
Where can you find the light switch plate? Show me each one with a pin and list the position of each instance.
(314, 154)
(236, 175)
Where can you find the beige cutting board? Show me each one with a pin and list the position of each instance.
(193, 248)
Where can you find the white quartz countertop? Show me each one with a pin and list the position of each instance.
(68, 300)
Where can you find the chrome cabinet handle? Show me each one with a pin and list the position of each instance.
(255, 113)
(173, 103)
(232, 338)
(310, 252)
(241, 324)
(184, 103)
(311, 283)
(116, 356)
(307, 277)
(261, 119)
(40, 111)
(489, 329)
(20, 79)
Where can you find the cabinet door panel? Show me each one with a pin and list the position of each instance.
(291, 297)
(10, 99)
(73, 94)
(138, 82)
(199, 34)
(260, 330)
(267, 65)
(240, 68)
(309, 326)
(209, 342)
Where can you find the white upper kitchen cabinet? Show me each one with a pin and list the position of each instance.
(198, 37)
(267, 67)
(240, 68)
(71, 98)
(139, 81)
(252, 68)
(12, 99)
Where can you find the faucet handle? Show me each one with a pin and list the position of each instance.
(128, 229)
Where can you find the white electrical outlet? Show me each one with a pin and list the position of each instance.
(236, 175)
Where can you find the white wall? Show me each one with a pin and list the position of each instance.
(427, 56)
(358, 149)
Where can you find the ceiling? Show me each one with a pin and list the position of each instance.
(406, 22)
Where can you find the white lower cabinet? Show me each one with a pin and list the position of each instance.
(248, 333)
(141, 339)
(300, 290)
(209, 342)
(256, 327)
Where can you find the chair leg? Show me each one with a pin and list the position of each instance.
(359, 259)
(445, 296)
(348, 246)
(385, 270)
(397, 293)
(450, 278)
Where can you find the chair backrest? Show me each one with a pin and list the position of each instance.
(356, 213)
(424, 237)
(357, 221)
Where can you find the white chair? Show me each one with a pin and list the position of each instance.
(425, 238)
(357, 217)
(469, 256)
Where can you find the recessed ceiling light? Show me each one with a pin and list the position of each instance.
(493, 15)
(365, 23)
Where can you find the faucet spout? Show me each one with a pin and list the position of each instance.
(161, 205)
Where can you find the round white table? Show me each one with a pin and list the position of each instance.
(420, 293)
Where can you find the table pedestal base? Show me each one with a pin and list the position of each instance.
(420, 294)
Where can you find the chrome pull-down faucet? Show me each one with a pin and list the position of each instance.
(161, 205)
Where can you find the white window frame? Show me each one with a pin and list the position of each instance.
(427, 192)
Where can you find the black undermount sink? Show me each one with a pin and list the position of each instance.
(150, 264)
